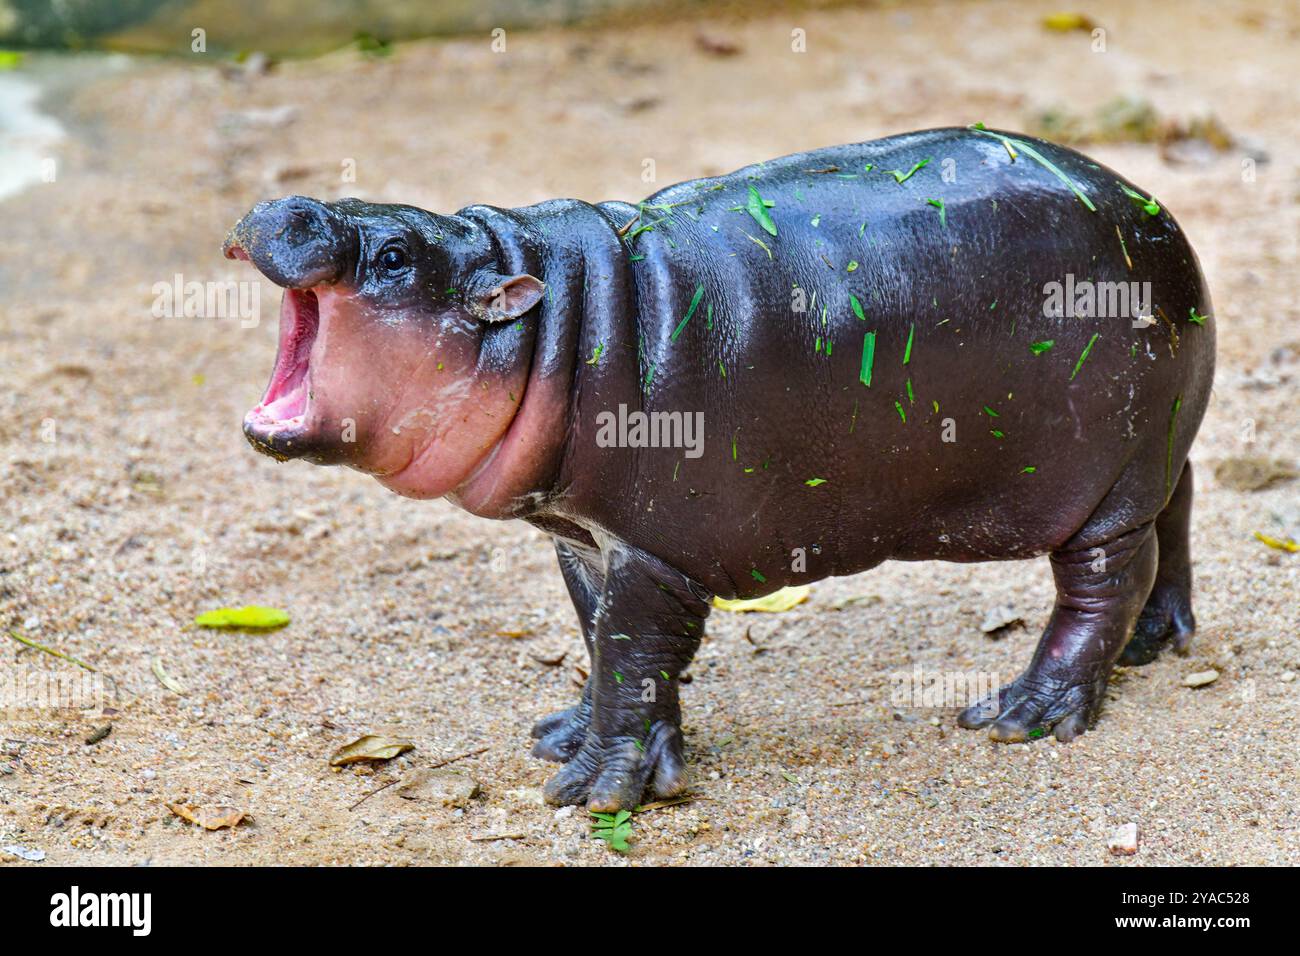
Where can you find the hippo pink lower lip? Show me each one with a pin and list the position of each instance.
(285, 402)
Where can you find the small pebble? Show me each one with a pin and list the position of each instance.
(1124, 841)
(999, 619)
(24, 853)
(1200, 678)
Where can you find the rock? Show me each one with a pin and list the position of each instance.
(551, 656)
(1200, 678)
(24, 853)
(446, 787)
(1124, 841)
(999, 618)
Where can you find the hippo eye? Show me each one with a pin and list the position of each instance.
(392, 259)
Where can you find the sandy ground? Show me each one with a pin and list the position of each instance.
(415, 619)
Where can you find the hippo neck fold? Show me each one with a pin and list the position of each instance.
(574, 249)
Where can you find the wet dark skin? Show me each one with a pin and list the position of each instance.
(866, 337)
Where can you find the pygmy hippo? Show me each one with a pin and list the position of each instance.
(921, 347)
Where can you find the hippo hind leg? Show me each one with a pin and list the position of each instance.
(560, 735)
(1101, 587)
(1167, 617)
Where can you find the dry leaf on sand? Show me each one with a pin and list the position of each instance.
(370, 747)
(210, 818)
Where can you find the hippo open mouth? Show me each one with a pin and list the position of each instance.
(300, 245)
(279, 420)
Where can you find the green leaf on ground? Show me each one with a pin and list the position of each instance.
(252, 616)
(613, 828)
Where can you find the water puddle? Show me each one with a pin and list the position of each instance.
(28, 137)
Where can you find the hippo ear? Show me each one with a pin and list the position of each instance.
(509, 298)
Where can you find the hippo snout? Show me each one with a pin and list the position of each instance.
(296, 242)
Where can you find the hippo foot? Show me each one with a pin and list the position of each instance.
(612, 773)
(561, 735)
(1166, 620)
(1033, 705)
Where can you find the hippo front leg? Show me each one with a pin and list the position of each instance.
(649, 622)
(561, 734)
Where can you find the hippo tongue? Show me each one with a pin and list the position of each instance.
(286, 397)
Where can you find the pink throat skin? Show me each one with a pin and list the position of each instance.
(521, 459)
(284, 406)
(474, 425)
(521, 434)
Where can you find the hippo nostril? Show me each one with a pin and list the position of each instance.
(304, 207)
(297, 242)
